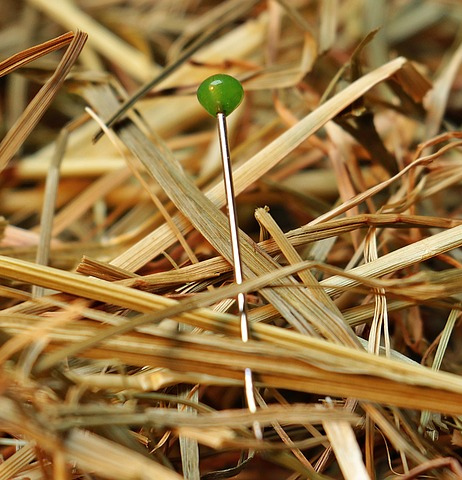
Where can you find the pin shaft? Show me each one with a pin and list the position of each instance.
(237, 263)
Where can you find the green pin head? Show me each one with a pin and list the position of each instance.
(220, 94)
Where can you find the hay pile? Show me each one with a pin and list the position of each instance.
(120, 351)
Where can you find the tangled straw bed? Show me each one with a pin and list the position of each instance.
(120, 351)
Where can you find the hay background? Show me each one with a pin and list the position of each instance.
(120, 354)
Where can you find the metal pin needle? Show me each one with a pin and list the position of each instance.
(232, 216)
(237, 262)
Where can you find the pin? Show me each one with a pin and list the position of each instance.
(220, 95)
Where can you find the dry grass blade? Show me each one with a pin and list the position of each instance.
(16, 463)
(346, 449)
(335, 328)
(232, 419)
(328, 28)
(23, 58)
(48, 210)
(108, 459)
(264, 218)
(439, 355)
(37, 107)
(438, 97)
(402, 258)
